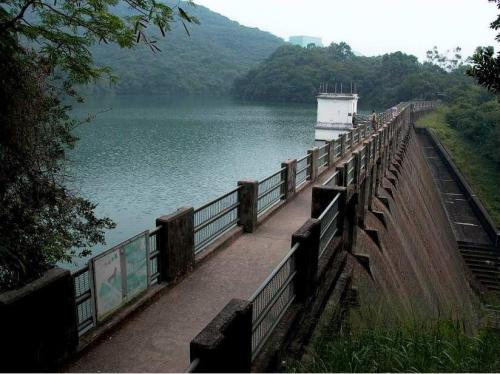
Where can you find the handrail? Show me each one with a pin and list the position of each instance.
(217, 199)
(332, 177)
(334, 200)
(274, 272)
(271, 300)
(272, 176)
(215, 218)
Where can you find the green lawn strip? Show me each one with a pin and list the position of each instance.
(480, 173)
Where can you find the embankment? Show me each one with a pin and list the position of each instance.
(416, 269)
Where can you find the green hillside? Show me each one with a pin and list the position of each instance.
(205, 63)
(294, 74)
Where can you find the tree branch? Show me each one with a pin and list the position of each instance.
(9, 24)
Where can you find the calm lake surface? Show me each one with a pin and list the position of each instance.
(143, 157)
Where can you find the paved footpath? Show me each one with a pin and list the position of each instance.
(157, 338)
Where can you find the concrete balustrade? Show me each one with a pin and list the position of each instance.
(343, 144)
(314, 153)
(290, 176)
(225, 344)
(306, 260)
(176, 244)
(331, 152)
(248, 196)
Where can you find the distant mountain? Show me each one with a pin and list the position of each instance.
(205, 63)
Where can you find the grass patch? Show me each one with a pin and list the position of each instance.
(412, 347)
(482, 174)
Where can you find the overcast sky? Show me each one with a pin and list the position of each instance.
(371, 27)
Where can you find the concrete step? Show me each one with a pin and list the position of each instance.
(480, 254)
(492, 272)
(494, 286)
(482, 263)
(478, 248)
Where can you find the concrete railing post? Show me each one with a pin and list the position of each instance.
(290, 175)
(314, 152)
(345, 174)
(248, 197)
(343, 144)
(176, 244)
(351, 141)
(331, 155)
(225, 344)
(38, 324)
(357, 168)
(306, 260)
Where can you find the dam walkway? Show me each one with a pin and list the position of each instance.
(157, 338)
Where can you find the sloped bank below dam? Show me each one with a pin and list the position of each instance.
(415, 268)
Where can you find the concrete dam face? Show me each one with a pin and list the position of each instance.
(415, 264)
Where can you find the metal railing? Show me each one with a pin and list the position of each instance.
(323, 155)
(333, 180)
(271, 190)
(272, 299)
(338, 148)
(303, 170)
(349, 178)
(355, 134)
(363, 158)
(84, 301)
(154, 256)
(348, 140)
(215, 218)
(329, 224)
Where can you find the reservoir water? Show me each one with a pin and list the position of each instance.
(143, 157)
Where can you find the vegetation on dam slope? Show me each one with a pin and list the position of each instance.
(437, 346)
(481, 172)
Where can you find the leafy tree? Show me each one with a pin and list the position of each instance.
(44, 51)
(202, 64)
(485, 65)
(449, 61)
(293, 74)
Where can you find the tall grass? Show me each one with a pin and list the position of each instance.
(481, 173)
(439, 346)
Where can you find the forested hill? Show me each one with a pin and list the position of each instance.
(205, 63)
(294, 74)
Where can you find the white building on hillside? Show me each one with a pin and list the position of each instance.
(335, 113)
(304, 40)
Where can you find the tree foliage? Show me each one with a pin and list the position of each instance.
(476, 116)
(202, 64)
(63, 32)
(448, 61)
(44, 51)
(293, 74)
(485, 66)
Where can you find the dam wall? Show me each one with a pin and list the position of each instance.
(415, 267)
